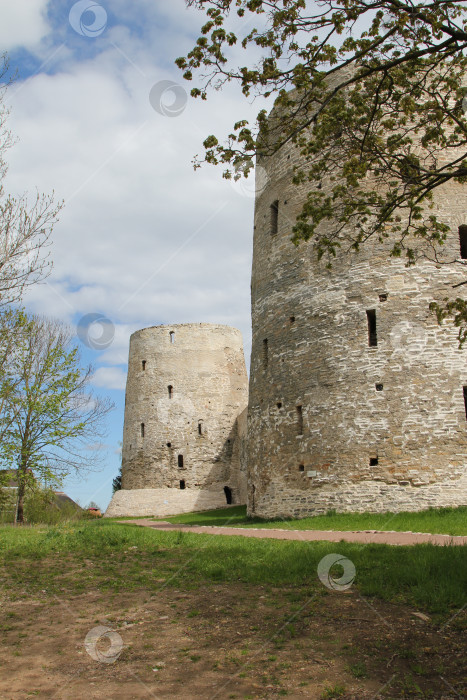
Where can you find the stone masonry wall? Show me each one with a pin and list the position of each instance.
(332, 421)
(183, 433)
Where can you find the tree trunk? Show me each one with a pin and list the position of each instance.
(20, 501)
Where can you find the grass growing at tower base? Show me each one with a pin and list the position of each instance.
(449, 521)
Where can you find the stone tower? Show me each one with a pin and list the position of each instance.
(185, 421)
(357, 397)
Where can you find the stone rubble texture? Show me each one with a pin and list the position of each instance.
(311, 350)
(333, 423)
(203, 421)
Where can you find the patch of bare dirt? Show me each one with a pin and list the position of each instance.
(224, 641)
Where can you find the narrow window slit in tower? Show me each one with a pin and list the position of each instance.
(302, 468)
(279, 404)
(142, 429)
(373, 461)
(463, 241)
(171, 391)
(200, 428)
(172, 337)
(143, 363)
(265, 353)
(465, 400)
(180, 461)
(372, 337)
(182, 484)
(274, 217)
(299, 420)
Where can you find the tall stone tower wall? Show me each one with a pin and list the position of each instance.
(334, 421)
(184, 432)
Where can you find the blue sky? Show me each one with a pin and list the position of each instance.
(142, 239)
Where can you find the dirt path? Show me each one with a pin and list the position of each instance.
(364, 536)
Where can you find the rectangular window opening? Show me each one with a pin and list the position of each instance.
(373, 461)
(372, 337)
(142, 429)
(171, 391)
(465, 400)
(200, 428)
(299, 420)
(265, 353)
(143, 364)
(463, 241)
(274, 217)
(172, 336)
(180, 461)
(182, 484)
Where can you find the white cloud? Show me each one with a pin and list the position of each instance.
(23, 23)
(143, 238)
(109, 378)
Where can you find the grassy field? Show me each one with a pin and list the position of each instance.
(449, 521)
(432, 578)
(208, 617)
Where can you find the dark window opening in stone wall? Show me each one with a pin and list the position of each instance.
(299, 420)
(274, 217)
(373, 461)
(292, 319)
(172, 336)
(142, 429)
(379, 387)
(383, 297)
(143, 363)
(171, 391)
(200, 428)
(228, 495)
(465, 400)
(463, 241)
(265, 353)
(180, 461)
(169, 444)
(182, 484)
(279, 404)
(372, 337)
(302, 468)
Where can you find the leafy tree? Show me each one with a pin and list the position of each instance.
(373, 96)
(51, 411)
(117, 482)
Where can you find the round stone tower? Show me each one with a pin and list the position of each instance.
(357, 397)
(185, 421)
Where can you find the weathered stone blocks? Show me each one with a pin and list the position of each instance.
(185, 421)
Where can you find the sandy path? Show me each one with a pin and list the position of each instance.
(364, 536)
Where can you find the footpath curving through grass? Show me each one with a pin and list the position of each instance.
(125, 557)
(448, 521)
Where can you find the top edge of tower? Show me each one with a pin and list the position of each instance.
(166, 327)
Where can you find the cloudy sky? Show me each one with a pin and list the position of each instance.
(142, 239)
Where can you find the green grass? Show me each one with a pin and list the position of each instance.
(433, 579)
(449, 521)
